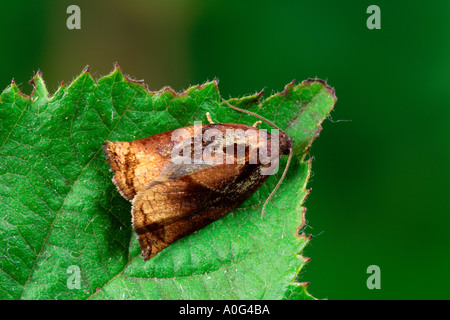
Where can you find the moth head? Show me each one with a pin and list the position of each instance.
(285, 144)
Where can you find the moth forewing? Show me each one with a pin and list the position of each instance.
(181, 180)
(253, 145)
(198, 142)
(213, 151)
(181, 152)
(241, 146)
(269, 154)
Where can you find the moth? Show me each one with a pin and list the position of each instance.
(181, 180)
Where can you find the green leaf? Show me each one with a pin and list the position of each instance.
(65, 231)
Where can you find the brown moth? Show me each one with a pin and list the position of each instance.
(171, 199)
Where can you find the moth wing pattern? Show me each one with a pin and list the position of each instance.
(166, 211)
(171, 199)
(178, 170)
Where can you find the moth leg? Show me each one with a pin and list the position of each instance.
(208, 116)
(256, 124)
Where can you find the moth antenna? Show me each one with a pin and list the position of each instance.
(288, 160)
(279, 182)
(253, 114)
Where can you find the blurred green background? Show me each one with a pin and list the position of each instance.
(381, 165)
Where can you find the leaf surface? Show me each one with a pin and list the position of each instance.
(65, 231)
